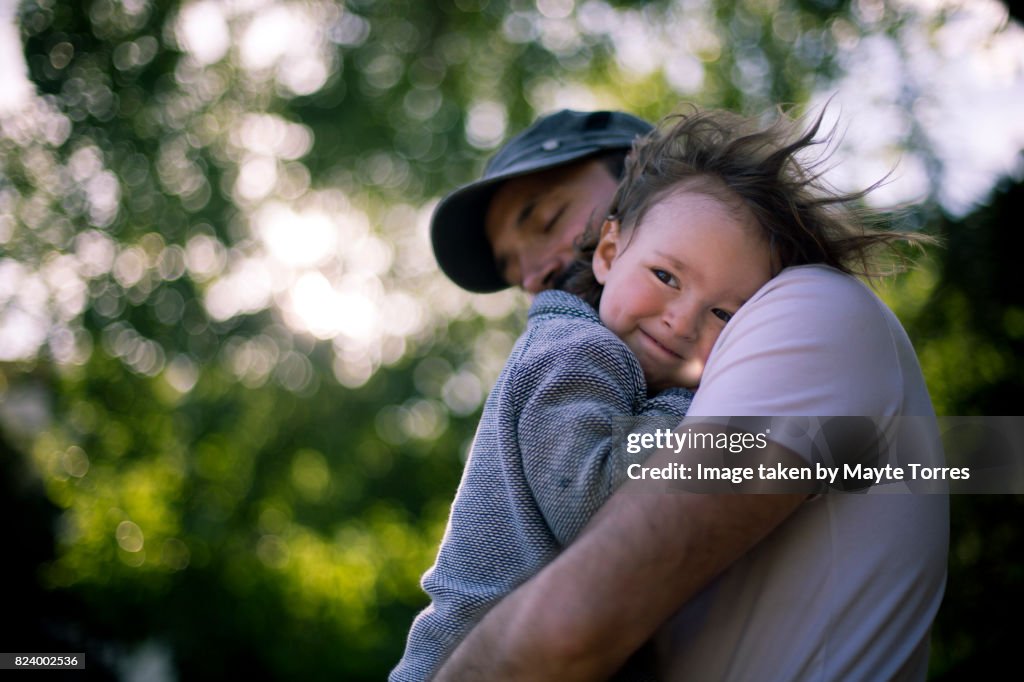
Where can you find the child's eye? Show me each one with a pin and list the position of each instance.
(665, 277)
(723, 315)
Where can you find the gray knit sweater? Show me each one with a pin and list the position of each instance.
(542, 463)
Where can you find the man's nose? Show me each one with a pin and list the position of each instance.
(540, 274)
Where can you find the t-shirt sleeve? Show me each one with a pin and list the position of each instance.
(566, 428)
(812, 342)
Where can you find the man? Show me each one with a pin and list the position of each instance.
(516, 225)
(738, 587)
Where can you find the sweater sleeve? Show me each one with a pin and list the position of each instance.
(672, 402)
(574, 409)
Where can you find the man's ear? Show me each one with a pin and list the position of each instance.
(607, 249)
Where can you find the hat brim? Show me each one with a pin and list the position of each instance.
(457, 229)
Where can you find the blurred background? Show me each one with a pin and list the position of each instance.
(236, 394)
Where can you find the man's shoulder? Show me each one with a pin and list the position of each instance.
(834, 292)
(815, 306)
(818, 304)
(812, 341)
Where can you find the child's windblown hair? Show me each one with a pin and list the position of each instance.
(744, 164)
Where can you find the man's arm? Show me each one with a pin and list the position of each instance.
(811, 342)
(642, 556)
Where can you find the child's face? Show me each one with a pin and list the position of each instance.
(672, 283)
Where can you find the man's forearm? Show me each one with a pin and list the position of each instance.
(640, 558)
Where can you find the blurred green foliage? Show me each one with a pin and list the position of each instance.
(219, 491)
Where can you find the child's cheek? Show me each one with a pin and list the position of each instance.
(609, 311)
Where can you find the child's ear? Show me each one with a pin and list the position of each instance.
(607, 249)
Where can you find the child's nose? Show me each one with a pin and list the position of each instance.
(681, 318)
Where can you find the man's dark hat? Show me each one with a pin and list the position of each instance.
(457, 227)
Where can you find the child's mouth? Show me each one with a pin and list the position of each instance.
(659, 345)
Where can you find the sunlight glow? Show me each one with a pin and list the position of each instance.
(486, 124)
(297, 239)
(325, 252)
(317, 307)
(357, 316)
(16, 88)
(203, 32)
(288, 39)
(959, 89)
(246, 289)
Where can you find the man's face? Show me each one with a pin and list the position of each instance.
(533, 220)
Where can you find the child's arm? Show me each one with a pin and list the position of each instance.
(566, 428)
(672, 402)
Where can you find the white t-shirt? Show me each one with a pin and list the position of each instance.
(847, 588)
